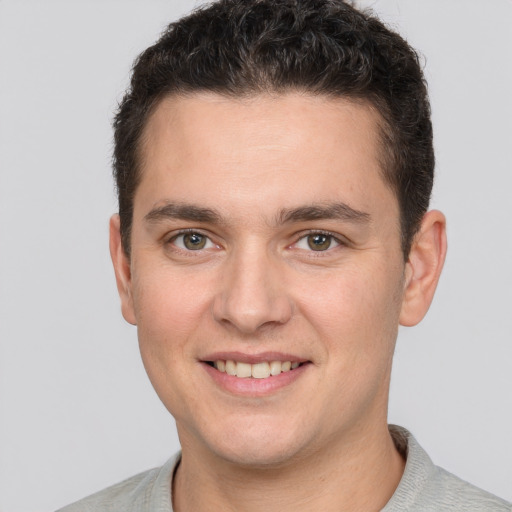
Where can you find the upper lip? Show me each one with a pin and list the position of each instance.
(260, 357)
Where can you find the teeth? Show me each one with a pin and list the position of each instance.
(256, 371)
(260, 370)
(275, 367)
(230, 367)
(243, 370)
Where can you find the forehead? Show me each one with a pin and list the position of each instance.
(272, 120)
(263, 150)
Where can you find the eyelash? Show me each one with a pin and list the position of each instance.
(334, 238)
(171, 241)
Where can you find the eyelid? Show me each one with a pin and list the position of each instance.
(170, 238)
(340, 240)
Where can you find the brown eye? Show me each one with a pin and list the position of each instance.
(319, 242)
(194, 241)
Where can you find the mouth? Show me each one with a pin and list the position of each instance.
(259, 370)
(255, 375)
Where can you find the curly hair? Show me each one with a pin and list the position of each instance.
(324, 47)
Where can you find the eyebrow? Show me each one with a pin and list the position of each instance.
(190, 212)
(335, 211)
(183, 211)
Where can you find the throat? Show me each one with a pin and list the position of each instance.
(359, 481)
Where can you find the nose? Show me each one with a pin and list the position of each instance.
(253, 293)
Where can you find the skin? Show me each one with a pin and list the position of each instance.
(320, 442)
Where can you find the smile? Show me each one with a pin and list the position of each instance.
(260, 370)
(254, 375)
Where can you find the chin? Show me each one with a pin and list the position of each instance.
(257, 458)
(255, 448)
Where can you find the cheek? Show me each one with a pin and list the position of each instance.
(169, 311)
(168, 308)
(355, 310)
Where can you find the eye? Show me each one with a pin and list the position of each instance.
(192, 241)
(317, 242)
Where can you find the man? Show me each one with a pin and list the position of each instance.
(274, 166)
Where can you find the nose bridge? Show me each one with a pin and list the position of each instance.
(252, 293)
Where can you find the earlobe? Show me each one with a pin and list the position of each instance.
(122, 270)
(423, 268)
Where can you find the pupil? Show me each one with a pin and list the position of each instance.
(319, 242)
(194, 241)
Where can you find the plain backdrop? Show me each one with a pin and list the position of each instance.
(77, 412)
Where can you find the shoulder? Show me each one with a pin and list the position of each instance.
(453, 493)
(425, 487)
(117, 496)
(138, 493)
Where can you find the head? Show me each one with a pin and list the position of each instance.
(274, 164)
(325, 48)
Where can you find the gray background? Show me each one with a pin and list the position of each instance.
(77, 412)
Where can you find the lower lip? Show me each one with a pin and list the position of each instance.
(255, 387)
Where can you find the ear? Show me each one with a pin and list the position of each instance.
(122, 270)
(423, 268)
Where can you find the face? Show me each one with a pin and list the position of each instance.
(265, 244)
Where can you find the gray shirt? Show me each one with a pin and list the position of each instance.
(424, 487)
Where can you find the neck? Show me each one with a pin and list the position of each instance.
(359, 474)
